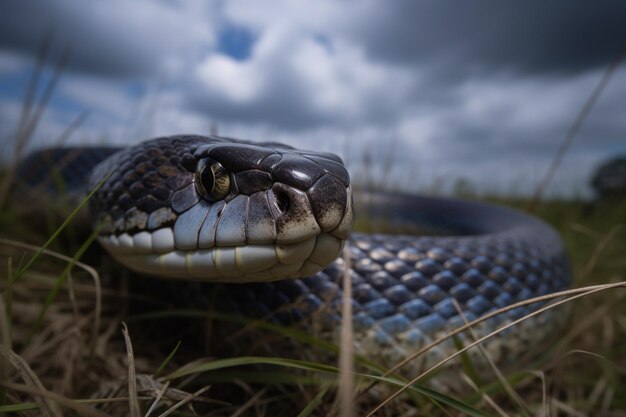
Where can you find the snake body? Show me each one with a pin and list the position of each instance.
(218, 209)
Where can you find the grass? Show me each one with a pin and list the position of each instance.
(73, 340)
(64, 353)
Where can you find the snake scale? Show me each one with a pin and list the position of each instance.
(276, 218)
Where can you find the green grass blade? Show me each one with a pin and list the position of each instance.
(57, 232)
(466, 409)
(289, 332)
(61, 280)
(276, 377)
(167, 359)
(6, 337)
(15, 408)
(466, 362)
(321, 368)
(8, 301)
(252, 360)
(260, 324)
(306, 411)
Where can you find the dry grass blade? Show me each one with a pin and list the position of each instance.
(71, 128)
(581, 292)
(507, 387)
(571, 133)
(604, 241)
(583, 326)
(614, 365)
(566, 408)
(49, 408)
(133, 400)
(503, 382)
(27, 105)
(345, 393)
(544, 392)
(595, 396)
(493, 404)
(31, 89)
(155, 403)
(5, 331)
(189, 398)
(91, 271)
(247, 404)
(55, 399)
(60, 282)
(5, 343)
(28, 122)
(32, 123)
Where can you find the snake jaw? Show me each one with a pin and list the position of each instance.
(246, 255)
(287, 213)
(245, 263)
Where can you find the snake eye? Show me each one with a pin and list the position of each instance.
(212, 179)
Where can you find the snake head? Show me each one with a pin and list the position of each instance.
(217, 209)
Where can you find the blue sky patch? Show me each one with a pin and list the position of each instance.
(236, 42)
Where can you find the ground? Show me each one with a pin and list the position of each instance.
(63, 352)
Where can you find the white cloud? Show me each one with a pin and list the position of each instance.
(313, 79)
(293, 79)
(229, 79)
(99, 94)
(11, 62)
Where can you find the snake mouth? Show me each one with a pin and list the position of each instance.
(247, 263)
(270, 235)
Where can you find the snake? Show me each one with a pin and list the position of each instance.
(268, 223)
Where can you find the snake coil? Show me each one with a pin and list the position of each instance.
(219, 209)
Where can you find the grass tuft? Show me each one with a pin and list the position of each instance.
(78, 359)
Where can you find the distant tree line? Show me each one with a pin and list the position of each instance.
(609, 180)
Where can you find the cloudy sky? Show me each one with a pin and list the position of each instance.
(426, 91)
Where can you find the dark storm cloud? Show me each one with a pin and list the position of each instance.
(285, 106)
(459, 89)
(25, 26)
(468, 38)
(440, 45)
(120, 39)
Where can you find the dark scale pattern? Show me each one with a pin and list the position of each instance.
(150, 184)
(44, 169)
(404, 287)
(393, 301)
(152, 181)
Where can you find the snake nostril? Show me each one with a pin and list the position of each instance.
(283, 202)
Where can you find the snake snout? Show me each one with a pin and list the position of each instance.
(331, 202)
(325, 208)
(282, 201)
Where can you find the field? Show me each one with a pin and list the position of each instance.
(73, 334)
